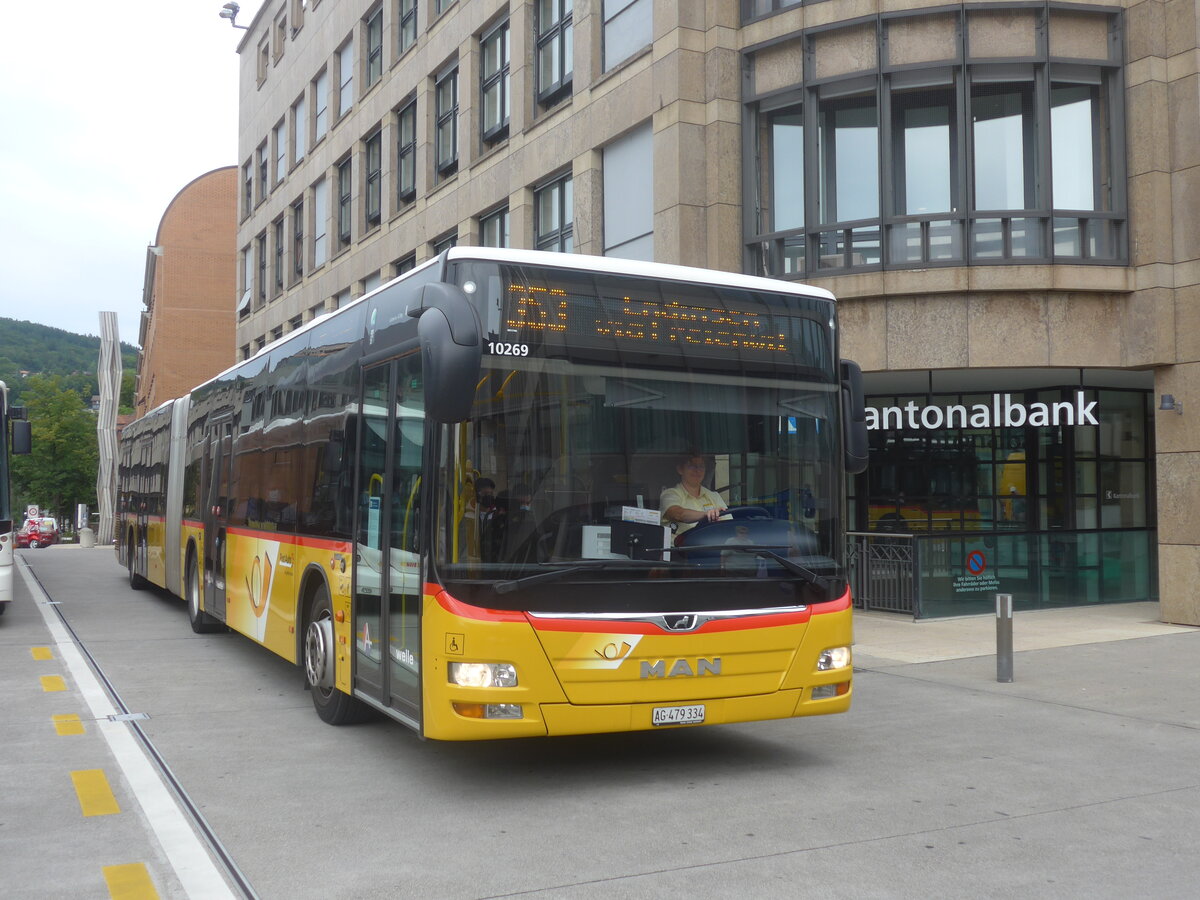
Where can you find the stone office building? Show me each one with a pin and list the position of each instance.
(1003, 195)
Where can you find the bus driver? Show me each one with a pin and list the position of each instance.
(690, 502)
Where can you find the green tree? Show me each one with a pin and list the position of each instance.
(61, 470)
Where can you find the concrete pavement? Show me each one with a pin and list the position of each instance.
(1077, 779)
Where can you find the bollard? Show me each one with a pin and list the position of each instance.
(87, 538)
(1004, 638)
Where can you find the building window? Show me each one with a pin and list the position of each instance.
(440, 6)
(880, 170)
(555, 54)
(754, 8)
(295, 322)
(493, 229)
(298, 239)
(494, 83)
(628, 27)
(445, 242)
(299, 132)
(245, 351)
(264, 59)
(260, 254)
(320, 105)
(406, 264)
(446, 136)
(317, 311)
(247, 189)
(344, 217)
(341, 298)
(276, 332)
(264, 184)
(345, 78)
(298, 14)
(374, 165)
(279, 247)
(848, 181)
(406, 154)
(280, 37)
(374, 48)
(320, 222)
(408, 23)
(280, 151)
(553, 216)
(247, 281)
(629, 195)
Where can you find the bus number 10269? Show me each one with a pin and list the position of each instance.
(499, 348)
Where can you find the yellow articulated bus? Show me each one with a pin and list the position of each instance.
(442, 501)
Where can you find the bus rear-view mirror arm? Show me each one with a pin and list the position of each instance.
(854, 418)
(451, 350)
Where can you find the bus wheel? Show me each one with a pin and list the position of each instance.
(202, 622)
(332, 705)
(136, 581)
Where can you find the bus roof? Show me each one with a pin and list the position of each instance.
(579, 261)
(616, 266)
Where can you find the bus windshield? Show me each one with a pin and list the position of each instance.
(554, 486)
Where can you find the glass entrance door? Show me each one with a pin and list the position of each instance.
(388, 573)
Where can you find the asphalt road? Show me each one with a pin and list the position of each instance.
(1080, 779)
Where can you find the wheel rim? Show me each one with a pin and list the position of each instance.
(318, 645)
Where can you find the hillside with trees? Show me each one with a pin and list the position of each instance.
(52, 373)
(44, 350)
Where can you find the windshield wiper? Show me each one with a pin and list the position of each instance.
(515, 584)
(822, 581)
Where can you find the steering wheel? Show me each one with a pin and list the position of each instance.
(735, 512)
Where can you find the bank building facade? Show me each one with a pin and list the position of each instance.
(1004, 196)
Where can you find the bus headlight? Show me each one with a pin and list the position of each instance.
(833, 658)
(466, 674)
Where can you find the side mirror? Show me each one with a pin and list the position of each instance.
(854, 418)
(22, 437)
(451, 350)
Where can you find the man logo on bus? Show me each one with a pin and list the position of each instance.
(681, 667)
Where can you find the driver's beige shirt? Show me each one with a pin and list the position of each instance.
(679, 496)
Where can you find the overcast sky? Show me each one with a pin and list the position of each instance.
(105, 115)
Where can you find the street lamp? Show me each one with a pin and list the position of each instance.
(229, 11)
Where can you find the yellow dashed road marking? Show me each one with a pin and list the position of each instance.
(41, 653)
(53, 683)
(95, 796)
(68, 724)
(129, 882)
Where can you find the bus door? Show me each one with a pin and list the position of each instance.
(387, 567)
(218, 459)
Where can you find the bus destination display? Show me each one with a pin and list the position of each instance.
(535, 312)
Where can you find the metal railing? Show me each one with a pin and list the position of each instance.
(883, 571)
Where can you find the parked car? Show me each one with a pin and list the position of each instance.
(39, 532)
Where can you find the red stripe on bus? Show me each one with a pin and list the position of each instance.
(458, 608)
(609, 626)
(299, 540)
(841, 604)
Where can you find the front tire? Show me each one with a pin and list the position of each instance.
(34, 545)
(202, 622)
(333, 706)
